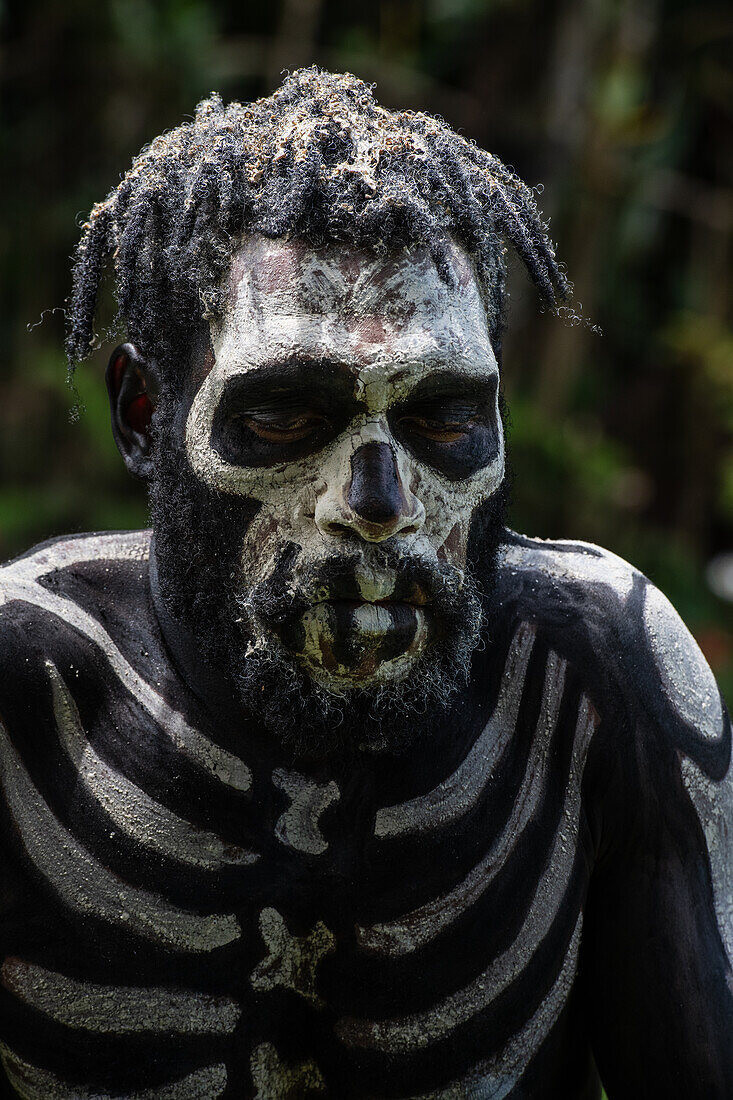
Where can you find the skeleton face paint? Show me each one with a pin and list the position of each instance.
(354, 398)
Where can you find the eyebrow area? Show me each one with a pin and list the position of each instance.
(328, 378)
(449, 383)
(323, 377)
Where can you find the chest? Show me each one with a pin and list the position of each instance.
(203, 920)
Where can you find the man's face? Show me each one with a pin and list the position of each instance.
(354, 399)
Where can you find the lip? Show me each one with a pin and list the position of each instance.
(414, 596)
(353, 604)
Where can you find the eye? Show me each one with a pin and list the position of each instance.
(440, 422)
(280, 414)
(284, 425)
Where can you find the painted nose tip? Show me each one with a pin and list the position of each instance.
(375, 492)
(375, 505)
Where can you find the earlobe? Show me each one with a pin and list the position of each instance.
(132, 384)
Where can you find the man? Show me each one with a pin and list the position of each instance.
(333, 785)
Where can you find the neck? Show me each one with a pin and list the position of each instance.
(211, 685)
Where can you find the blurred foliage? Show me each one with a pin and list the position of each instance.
(621, 107)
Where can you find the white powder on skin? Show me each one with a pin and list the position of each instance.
(390, 320)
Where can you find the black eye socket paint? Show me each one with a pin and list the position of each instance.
(282, 412)
(450, 423)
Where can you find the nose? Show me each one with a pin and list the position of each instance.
(377, 504)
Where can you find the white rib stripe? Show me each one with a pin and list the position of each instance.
(133, 811)
(19, 581)
(418, 1030)
(114, 1009)
(418, 927)
(32, 1083)
(88, 887)
(457, 794)
(495, 1078)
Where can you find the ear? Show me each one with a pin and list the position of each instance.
(133, 387)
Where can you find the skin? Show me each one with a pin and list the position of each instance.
(539, 889)
(355, 398)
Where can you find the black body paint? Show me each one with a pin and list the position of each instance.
(649, 1000)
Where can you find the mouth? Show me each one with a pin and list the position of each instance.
(362, 628)
(392, 616)
(388, 594)
(359, 639)
(349, 604)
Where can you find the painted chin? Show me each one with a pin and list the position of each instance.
(357, 642)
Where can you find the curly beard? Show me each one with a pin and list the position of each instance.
(325, 715)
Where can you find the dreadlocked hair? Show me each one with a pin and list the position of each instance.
(318, 159)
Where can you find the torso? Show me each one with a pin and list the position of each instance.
(188, 916)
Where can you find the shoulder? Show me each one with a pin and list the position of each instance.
(613, 620)
(566, 568)
(67, 551)
(72, 585)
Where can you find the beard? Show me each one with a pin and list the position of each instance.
(254, 635)
(329, 714)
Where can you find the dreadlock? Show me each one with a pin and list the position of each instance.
(318, 159)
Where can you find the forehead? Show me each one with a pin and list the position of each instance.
(349, 305)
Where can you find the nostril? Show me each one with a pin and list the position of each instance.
(334, 528)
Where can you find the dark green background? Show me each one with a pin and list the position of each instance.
(621, 107)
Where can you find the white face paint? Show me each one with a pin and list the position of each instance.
(383, 325)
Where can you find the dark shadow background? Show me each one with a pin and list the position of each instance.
(623, 108)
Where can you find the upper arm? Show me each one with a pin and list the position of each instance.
(659, 929)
